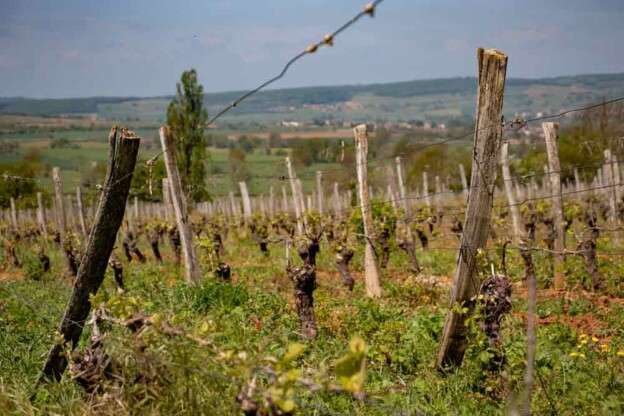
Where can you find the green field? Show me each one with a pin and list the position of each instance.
(438, 100)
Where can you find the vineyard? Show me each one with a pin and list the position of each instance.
(386, 249)
(482, 294)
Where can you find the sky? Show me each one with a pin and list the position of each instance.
(78, 48)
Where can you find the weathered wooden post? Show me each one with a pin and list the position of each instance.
(122, 159)
(426, 195)
(58, 198)
(178, 199)
(137, 213)
(284, 200)
(246, 200)
(464, 181)
(438, 194)
(319, 191)
(233, 206)
(488, 134)
(293, 188)
(551, 134)
(166, 190)
(81, 217)
(302, 205)
(371, 270)
(577, 183)
(336, 200)
(608, 173)
(271, 202)
(402, 191)
(14, 222)
(511, 200)
(41, 215)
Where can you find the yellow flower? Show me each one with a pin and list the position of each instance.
(620, 353)
(574, 354)
(581, 355)
(604, 348)
(594, 339)
(583, 336)
(583, 341)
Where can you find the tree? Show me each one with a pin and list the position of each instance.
(17, 180)
(238, 165)
(187, 118)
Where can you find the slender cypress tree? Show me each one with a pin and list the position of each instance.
(187, 118)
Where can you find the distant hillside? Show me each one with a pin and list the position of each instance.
(436, 100)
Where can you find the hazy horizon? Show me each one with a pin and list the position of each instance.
(307, 86)
(85, 48)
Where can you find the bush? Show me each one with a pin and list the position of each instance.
(33, 269)
(216, 294)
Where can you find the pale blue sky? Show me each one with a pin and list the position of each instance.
(69, 48)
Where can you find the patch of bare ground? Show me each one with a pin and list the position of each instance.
(6, 277)
(586, 323)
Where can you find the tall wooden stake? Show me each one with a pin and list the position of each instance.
(166, 190)
(41, 215)
(371, 271)
(14, 223)
(336, 200)
(122, 159)
(58, 198)
(178, 199)
(426, 189)
(551, 134)
(293, 188)
(402, 191)
(487, 140)
(319, 191)
(81, 217)
(511, 199)
(464, 181)
(246, 201)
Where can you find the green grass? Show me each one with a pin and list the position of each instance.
(254, 318)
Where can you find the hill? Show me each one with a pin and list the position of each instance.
(435, 100)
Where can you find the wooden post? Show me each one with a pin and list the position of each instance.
(371, 271)
(14, 223)
(180, 208)
(336, 200)
(137, 215)
(546, 191)
(577, 183)
(426, 189)
(271, 202)
(302, 205)
(293, 188)
(81, 217)
(246, 201)
(438, 194)
(402, 191)
(511, 200)
(551, 134)
(617, 178)
(166, 190)
(41, 215)
(319, 191)
(58, 198)
(284, 200)
(487, 139)
(608, 173)
(233, 205)
(464, 181)
(122, 159)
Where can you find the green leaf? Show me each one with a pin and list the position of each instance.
(294, 351)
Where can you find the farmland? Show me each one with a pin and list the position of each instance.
(450, 246)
